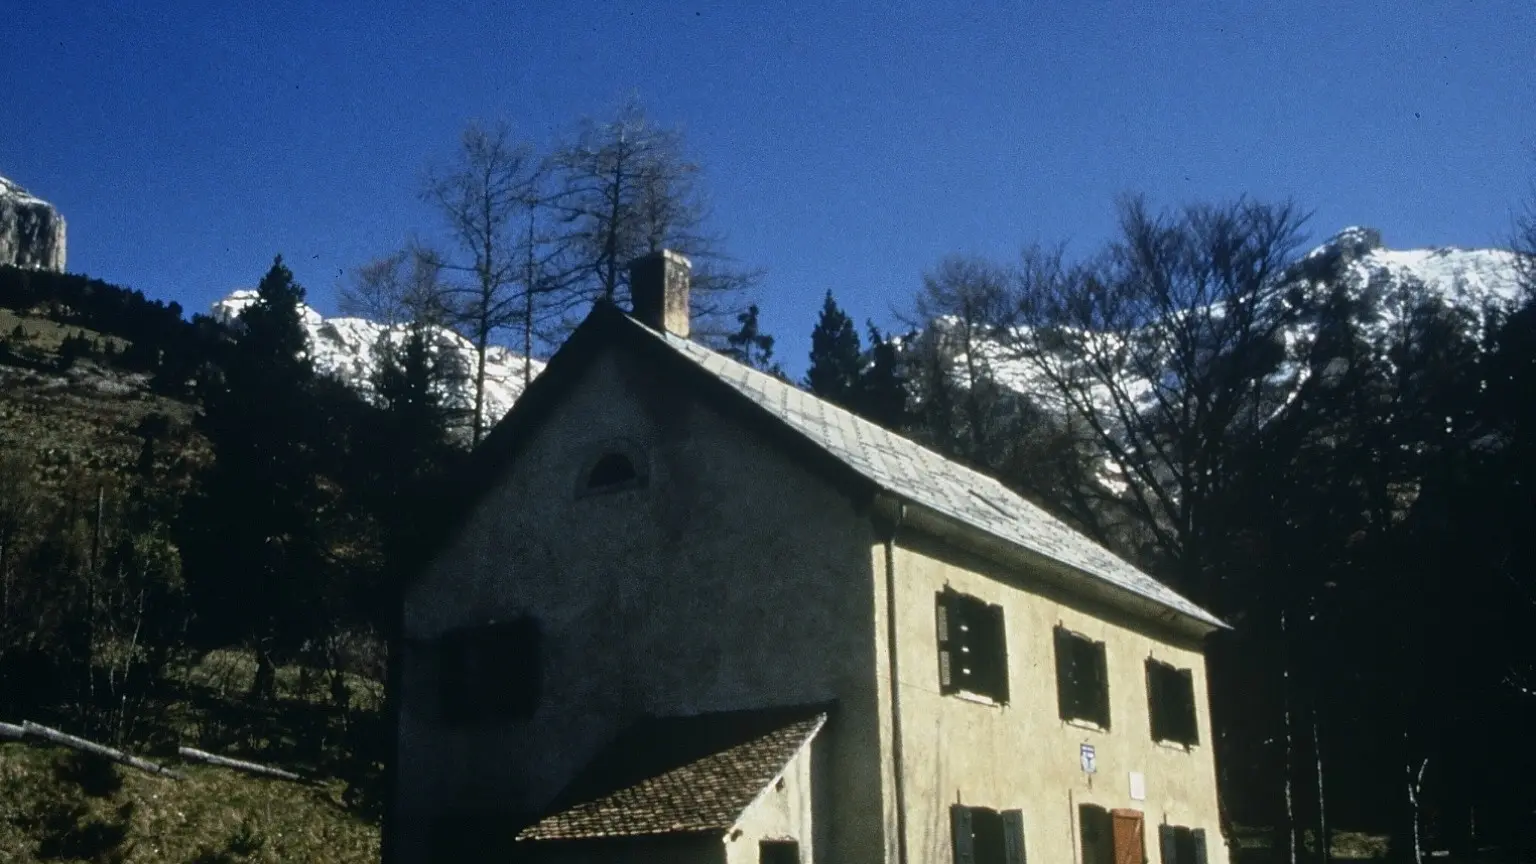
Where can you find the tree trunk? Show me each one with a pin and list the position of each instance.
(264, 685)
(1290, 741)
(482, 345)
(1415, 787)
(56, 737)
(528, 310)
(1324, 841)
(237, 764)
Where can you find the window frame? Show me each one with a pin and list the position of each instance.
(1074, 652)
(967, 625)
(1173, 716)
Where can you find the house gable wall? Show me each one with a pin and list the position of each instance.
(784, 811)
(735, 578)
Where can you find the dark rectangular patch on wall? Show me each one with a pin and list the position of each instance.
(491, 672)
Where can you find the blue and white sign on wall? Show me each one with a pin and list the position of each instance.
(1086, 751)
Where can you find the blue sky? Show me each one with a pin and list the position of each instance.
(847, 146)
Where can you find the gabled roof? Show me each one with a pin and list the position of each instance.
(679, 775)
(856, 450)
(905, 468)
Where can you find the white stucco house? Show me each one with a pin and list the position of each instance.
(685, 611)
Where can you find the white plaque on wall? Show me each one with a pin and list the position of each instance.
(1138, 786)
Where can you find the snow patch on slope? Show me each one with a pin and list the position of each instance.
(345, 348)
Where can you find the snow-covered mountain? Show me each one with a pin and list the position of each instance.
(1386, 282)
(345, 349)
(1471, 280)
(31, 230)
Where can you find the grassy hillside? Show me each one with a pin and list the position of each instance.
(75, 418)
(57, 804)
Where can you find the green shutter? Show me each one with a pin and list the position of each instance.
(1199, 834)
(1013, 837)
(1187, 707)
(946, 672)
(1167, 841)
(999, 647)
(960, 831)
(1101, 684)
(1155, 699)
(1096, 834)
(1065, 685)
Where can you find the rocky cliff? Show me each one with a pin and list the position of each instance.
(31, 230)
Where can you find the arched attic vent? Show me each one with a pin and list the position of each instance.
(613, 466)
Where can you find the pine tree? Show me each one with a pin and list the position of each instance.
(882, 386)
(256, 565)
(405, 452)
(835, 356)
(752, 347)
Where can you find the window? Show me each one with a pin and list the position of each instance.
(490, 672)
(982, 836)
(1171, 703)
(1181, 845)
(617, 466)
(1082, 678)
(778, 852)
(973, 650)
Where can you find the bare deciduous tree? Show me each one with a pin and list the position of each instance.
(1165, 348)
(398, 289)
(484, 198)
(626, 187)
(1524, 244)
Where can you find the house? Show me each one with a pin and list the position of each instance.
(687, 612)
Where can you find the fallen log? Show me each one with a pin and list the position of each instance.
(54, 736)
(237, 764)
(11, 732)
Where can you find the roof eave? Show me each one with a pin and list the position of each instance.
(1066, 578)
(592, 839)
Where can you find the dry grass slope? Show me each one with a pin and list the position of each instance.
(56, 804)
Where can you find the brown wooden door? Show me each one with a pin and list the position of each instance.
(1128, 831)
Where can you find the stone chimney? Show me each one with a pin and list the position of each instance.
(658, 291)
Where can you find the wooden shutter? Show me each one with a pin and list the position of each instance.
(946, 660)
(1013, 837)
(1199, 835)
(1065, 681)
(1129, 836)
(1167, 841)
(960, 833)
(1100, 694)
